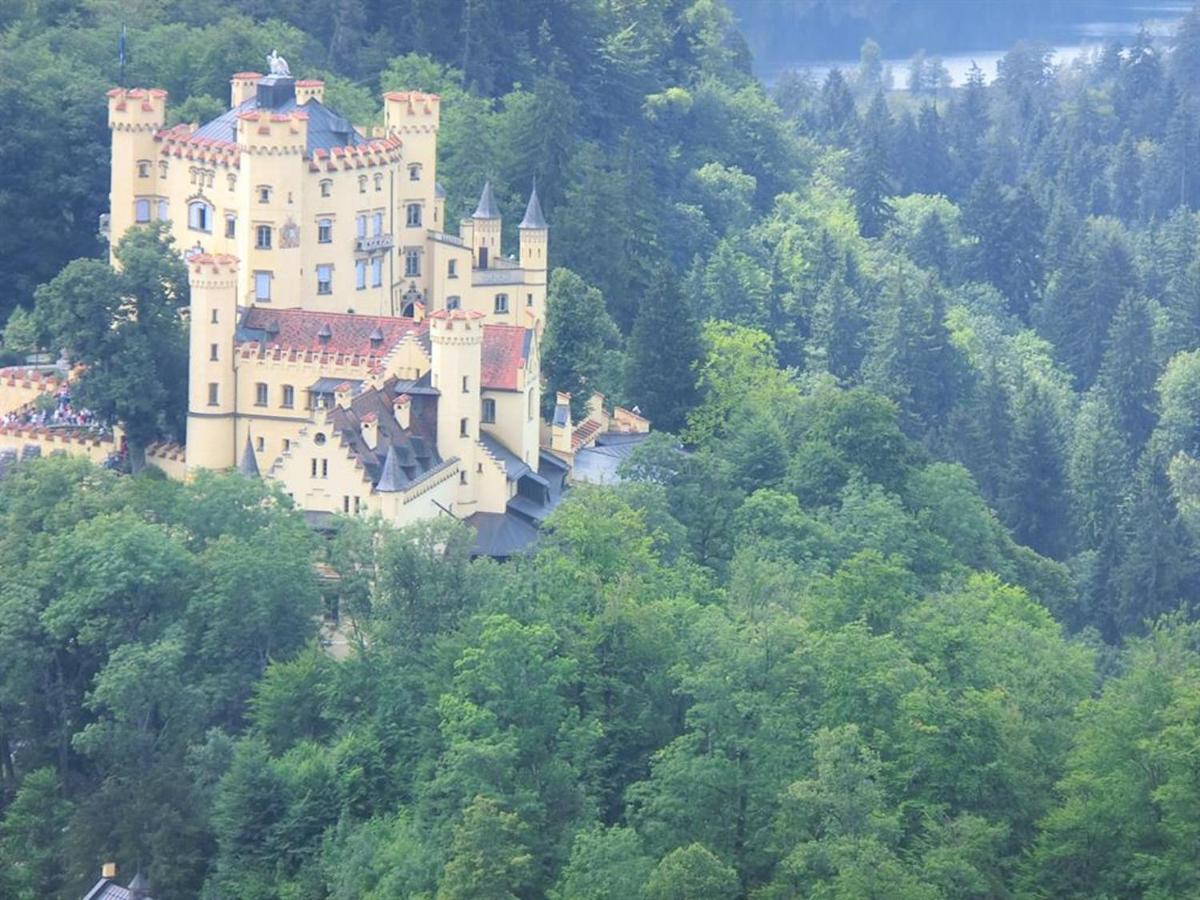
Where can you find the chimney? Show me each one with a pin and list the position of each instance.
(242, 87)
(402, 407)
(341, 395)
(108, 870)
(370, 430)
(560, 426)
(310, 89)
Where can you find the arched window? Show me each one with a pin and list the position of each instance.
(199, 216)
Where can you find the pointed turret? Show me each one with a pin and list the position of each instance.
(487, 208)
(249, 464)
(392, 477)
(533, 211)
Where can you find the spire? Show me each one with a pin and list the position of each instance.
(249, 464)
(392, 478)
(487, 208)
(533, 212)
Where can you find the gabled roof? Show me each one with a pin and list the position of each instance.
(487, 208)
(300, 329)
(506, 350)
(533, 212)
(402, 456)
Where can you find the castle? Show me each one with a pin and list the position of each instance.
(342, 342)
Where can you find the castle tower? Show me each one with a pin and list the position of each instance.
(414, 117)
(535, 249)
(272, 140)
(212, 407)
(457, 338)
(134, 116)
(485, 230)
(242, 87)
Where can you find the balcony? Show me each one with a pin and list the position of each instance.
(374, 243)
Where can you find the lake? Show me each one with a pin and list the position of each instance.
(817, 36)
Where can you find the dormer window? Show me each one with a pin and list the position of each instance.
(143, 168)
(326, 187)
(264, 194)
(414, 172)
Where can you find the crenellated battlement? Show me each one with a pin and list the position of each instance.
(137, 109)
(262, 132)
(213, 270)
(411, 111)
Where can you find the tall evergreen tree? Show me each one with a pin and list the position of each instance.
(1128, 371)
(662, 353)
(871, 169)
(575, 345)
(1034, 495)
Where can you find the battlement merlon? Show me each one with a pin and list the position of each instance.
(261, 131)
(411, 111)
(213, 270)
(137, 109)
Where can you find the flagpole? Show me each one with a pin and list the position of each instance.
(121, 53)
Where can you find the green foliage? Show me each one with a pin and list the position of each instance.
(579, 334)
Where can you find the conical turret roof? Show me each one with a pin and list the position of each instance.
(533, 212)
(392, 478)
(249, 464)
(487, 208)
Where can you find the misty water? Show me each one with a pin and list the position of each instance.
(960, 39)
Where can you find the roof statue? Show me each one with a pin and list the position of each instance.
(278, 65)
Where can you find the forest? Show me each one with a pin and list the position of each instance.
(898, 601)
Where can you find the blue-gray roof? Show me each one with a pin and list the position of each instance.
(487, 208)
(533, 212)
(326, 129)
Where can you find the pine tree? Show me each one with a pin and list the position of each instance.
(838, 325)
(871, 175)
(1126, 179)
(931, 246)
(836, 115)
(578, 336)
(1034, 497)
(1128, 372)
(932, 153)
(968, 125)
(663, 349)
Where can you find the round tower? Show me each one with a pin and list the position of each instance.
(535, 249)
(212, 393)
(485, 230)
(457, 339)
(135, 116)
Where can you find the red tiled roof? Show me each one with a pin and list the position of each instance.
(298, 331)
(503, 356)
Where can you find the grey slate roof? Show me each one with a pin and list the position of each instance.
(326, 129)
(414, 448)
(487, 208)
(249, 464)
(501, 535)
(514, 466)
(533, 212)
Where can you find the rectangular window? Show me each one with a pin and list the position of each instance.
(260, 394)
(377, 272)
(466, 385)
(453, 302)
(214, 317)
(452, 269)
(262, 285)
(414, 173)
(314, 468)
(489, 410)
(264, 195)
(287, 444)
(360, 225)
(324, 231)
(346, 503)
(289, 397)
(413, 215)
(530, 405)
(360, 274)
(199, 216)
(326, 188)
(212, 352)
(214, 395)
(529, 299)
(325, 279)
(464, 428)
(412, 263)
(163, 214)
(260, 444)
(143, 169)
(141, 211)
(377, 224)
(501, 303)
(324, 468)
(262, 237)
(230, 225)
(357, 505)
